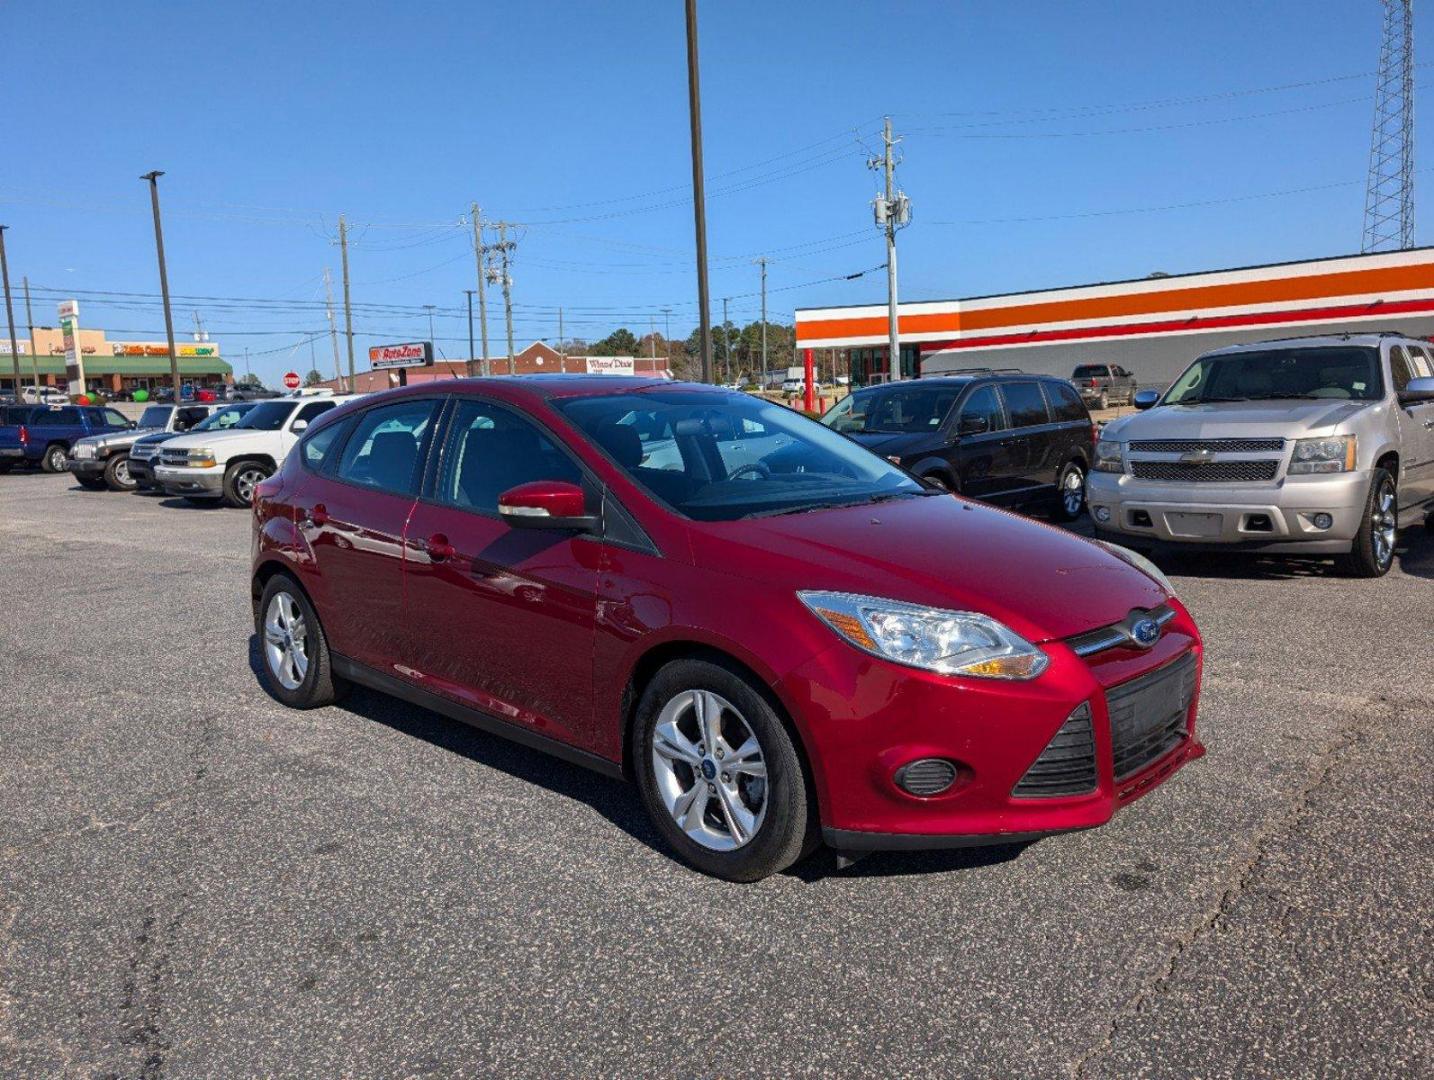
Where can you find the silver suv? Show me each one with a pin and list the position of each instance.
(1303, 446)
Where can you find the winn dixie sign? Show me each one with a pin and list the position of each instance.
(410, 354)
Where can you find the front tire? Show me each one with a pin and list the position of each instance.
(54, 459)
(117, 477)
(1070, 492)
(1373, 551)
(241, 479)
(720, 774)
(298, 669)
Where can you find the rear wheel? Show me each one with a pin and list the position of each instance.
(719, 773)
(1070, 491)
(297, 666)
(1372, 554)
(241, 480)
(54, 459)
(117, 477)
(1104, 400)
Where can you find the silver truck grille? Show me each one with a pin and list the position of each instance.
(1206, 472)
(1219, 446)
(174, 457)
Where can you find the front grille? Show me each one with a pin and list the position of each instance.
(1148, 715)
(174, 457)
(1067, 764)
(1221, 446)
(144, 453)
(1117, 633)
(1205, 472)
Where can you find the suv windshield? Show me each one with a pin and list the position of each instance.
(227, 417)
(1337, 372)
(893, 409)
(267, 416)
(154, 416)
(719, 457)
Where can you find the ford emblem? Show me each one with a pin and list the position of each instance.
(1146, 632)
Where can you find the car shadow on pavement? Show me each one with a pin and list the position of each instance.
(179, 502)
(618, 802)
(1414, 555)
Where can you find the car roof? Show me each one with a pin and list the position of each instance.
(1315, 341)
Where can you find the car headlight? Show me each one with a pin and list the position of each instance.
(1109, 456)
(200, 459)
(1327, 455)
(1141, 563)
(948, 642)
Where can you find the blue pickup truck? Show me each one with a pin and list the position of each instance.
(41, 434)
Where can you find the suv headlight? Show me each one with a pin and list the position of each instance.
(948, 642)
(1109, 456)
(1327, 455)
(201, 459)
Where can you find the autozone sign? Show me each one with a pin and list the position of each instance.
(410, 354)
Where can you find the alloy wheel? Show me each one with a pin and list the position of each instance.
(246, 482)
(1073, 492)
(710, 770)
(1384, 519)
(122, 471)
(286, 641)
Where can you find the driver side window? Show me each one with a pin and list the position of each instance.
(491, 449)
(983, 404)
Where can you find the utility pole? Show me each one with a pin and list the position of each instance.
(667, 332)
(892, 212)
(10, 314)
(562, 348)
(699, 195)
(153, 178)
(1389, 193)
(348, 307)
(479, 252)
(249, 371)
(468, 368)
(762, 262)
(504, 247)
(652, 338)
(726, 345)
(333, 329)
(430, 308)
(30, 326)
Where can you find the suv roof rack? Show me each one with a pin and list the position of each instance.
(983, 371)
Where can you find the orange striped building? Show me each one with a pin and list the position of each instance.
(1153, 326)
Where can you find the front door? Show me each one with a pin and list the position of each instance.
(985, 465)
(501, 618)
(1416, 427)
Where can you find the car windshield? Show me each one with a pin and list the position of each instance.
(893, 409)
(719, 457)
(267, 416)
(1336, 372)
(227, 417)
(154, 416)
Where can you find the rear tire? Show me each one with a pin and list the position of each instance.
(54, 459)
(781, 811)
(293, 648)
(1373, 551)
(240, 481)
(117, 476)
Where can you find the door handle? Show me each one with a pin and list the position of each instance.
(439, 548)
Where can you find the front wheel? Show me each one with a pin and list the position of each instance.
(117, 477)
(1070, 492)
(719, 773)
(241, 480)
(297, 666)
(1372, 553)
(54, 459)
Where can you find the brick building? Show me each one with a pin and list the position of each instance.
(537, 359)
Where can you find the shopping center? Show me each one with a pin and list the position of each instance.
(116, 366)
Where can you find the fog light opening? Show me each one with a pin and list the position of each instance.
(926, 777)
(1102, 513)
(1323, 521)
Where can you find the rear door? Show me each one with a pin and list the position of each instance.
(1036, 442)
(1073, 432)
(985, 465)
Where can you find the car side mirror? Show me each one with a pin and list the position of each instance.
(1417, 392)
(547, 504)
(972, 425)
(131, 425)
(1146, 399)
(298, 426)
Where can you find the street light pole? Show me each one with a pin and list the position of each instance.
(153, 178)
(699, 196)
(10, 314)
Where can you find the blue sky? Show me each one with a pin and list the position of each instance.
(1023, 124)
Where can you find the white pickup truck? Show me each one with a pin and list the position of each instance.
(229, 465)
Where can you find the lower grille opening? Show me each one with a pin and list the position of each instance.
(1148, 715)
(926, 777)
(1259, 523)
(1067, 764)
(1140, 519)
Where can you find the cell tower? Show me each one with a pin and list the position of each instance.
(1389, 198)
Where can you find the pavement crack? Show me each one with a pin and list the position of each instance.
(1239, 882)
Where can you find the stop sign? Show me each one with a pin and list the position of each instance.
(291, 380)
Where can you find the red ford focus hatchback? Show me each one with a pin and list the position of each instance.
(778, 636)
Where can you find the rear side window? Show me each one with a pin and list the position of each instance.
(318, 448)
(1026, 404)
(984, 404)
(187, 418)
(388, 446)
(1419, 361)
(111, 417)
(490, 450)
(62, 416)
(1065, 402)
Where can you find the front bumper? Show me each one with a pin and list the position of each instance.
(87, 467)
(862, 719)
(1278, 517)
(141, 471)
(194, 483)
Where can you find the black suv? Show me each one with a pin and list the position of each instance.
(1004, 437)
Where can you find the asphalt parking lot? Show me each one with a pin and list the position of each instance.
(195, 881)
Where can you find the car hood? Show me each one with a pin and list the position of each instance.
(225, 438)
(1234, 419)
(949, 552)
(116, 438)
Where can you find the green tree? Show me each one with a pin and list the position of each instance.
(621, 342)
(248, 380)
(313, 378)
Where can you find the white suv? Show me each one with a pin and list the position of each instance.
(230, 464)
